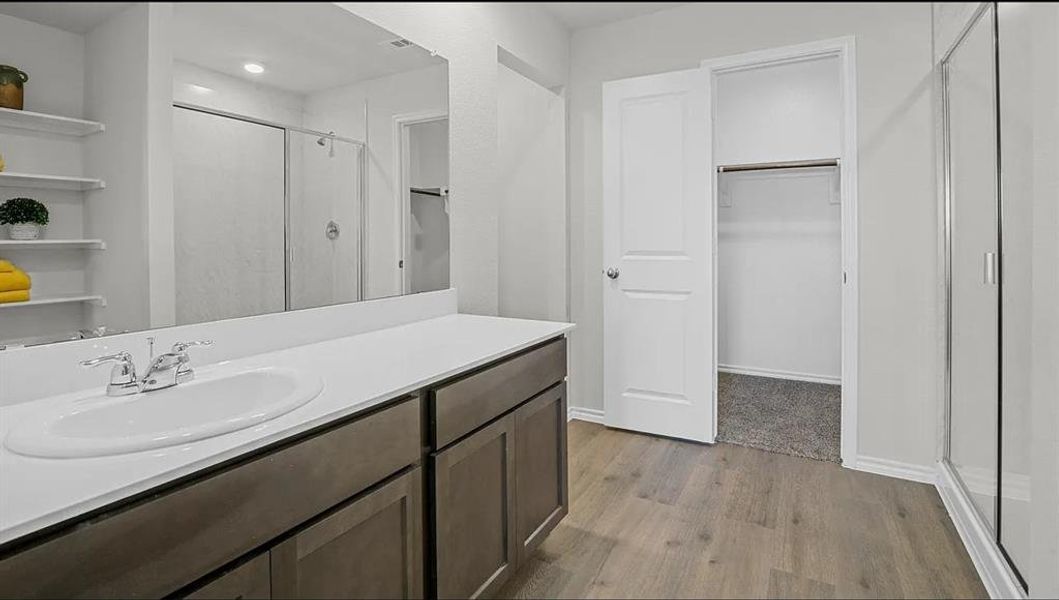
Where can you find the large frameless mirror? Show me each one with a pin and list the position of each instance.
(227, 160)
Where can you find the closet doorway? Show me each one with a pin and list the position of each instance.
(679, 148)
(422, 162)
(779, 307)
(783, 140)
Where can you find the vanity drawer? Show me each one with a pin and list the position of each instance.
(158, 544)
(459, 407)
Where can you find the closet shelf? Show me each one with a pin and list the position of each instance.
(57, 300)
(34, 121)
(50, 182)
(52, 244)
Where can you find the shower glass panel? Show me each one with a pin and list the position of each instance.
(228, 213)
(325, 215)
(1029, 66)
(970, 94)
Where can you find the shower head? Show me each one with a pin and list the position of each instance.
(322, 142)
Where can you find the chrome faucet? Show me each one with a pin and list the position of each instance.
(165, 370)
(171, 368)
(122, 377)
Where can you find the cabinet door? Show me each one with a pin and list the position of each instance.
(541, 492)
(249, 580)
(371, 548)
(474, 511)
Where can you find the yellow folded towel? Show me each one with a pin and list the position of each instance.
(16, 296)
(6, 266)
(15, 281)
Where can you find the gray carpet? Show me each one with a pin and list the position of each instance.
(779, 415)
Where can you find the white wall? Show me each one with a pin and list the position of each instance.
(429, 154)
(531, 156)
(897, 220)
(160, 237)
(779, 273)
(781, 112)
(116, 93)
(468, 34)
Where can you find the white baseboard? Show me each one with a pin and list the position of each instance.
(737, 370)
(996, 574)
(591, 415)
(893, 468)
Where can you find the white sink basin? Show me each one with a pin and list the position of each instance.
(211, 405)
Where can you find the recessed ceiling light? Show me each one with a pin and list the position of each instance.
(254, 68)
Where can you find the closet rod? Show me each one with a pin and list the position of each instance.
(428, 191)
(793, 164)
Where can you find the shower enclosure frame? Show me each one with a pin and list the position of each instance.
(988, 11)
(362, 167)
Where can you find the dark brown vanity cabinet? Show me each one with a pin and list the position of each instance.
(374, 505)
(170, 541)
(501, 487)
(251, 580)
(541, 491)
(474, 491)
(371, 548)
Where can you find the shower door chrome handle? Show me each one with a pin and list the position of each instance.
(989, 268)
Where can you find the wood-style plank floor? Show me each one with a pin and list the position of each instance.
(657, 518)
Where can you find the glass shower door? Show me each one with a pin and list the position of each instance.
(228, 217)
(970, 102)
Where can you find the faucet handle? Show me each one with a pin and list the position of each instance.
(184, 372)
(181, 347)
(123, 358)
(122, 376)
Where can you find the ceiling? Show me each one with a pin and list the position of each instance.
(77, 17)
(304, 47)
(579, 15)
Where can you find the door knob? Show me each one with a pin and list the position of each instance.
(612, 273)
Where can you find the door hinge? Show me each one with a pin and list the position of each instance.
(400, 264)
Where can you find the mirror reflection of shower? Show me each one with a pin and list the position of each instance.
(275, 205)
(258, 212)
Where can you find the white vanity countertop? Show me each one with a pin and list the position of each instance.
(358, 372)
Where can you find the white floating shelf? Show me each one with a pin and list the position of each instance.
(54, 244)
(56, 300)
(34, 121)
(49, 182)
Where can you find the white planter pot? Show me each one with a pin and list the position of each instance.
(24, 231)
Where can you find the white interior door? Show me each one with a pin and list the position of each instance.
(657, 230)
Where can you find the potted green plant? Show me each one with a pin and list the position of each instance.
(24, 217)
